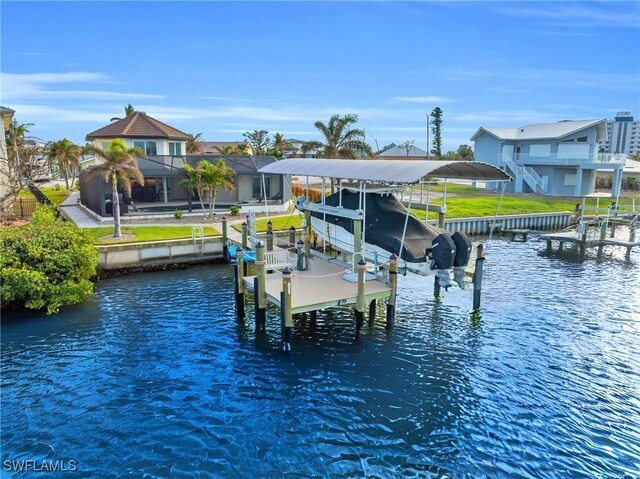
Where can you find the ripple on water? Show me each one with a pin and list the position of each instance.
(155, 376)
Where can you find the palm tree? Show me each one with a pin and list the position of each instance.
(128, 110)
(195, 183)
(340, 139)
(119, 165)
(194, 143)
(226, 150)
(66, 155)
(216, 176)
(242, 148)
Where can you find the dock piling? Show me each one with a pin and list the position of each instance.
(393, 285)
(239, 276)
(260, 295)
(360, 300)
(307, 233)
(225, 237)
(372, 312)
(244, 235)
(477, 277)
(436, 287)
(292, 238)
(269, 236)
(285, 310)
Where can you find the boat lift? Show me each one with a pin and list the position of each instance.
(329, 281)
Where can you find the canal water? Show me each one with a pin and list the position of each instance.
(154, 377)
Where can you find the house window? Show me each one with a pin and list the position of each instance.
(257, 187)
(148, 146)
(582, 139)
(539, 151)
(175, 148)
(570, 179)
(105, 144)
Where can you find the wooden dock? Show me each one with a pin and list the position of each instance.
(322, 286)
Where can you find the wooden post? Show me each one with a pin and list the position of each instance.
(613, 223)
(357, 240)
(239, 274)
(285, 310)
(307, 236)
(549, 247)
(441, 214)
(372, 312)
(259, 290)
(292, 238)
(560, 246)
(360, 300)
(436, 287)
(477, 277)
(269, 236)
(225, 237)
(393, 285)
(244, 235)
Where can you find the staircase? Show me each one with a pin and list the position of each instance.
(528, 174)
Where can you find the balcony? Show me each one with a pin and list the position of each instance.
(555, 160)
(162, 165)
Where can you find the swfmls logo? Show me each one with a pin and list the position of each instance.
(46, 465)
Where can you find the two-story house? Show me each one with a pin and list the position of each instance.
(165, 150)
(550, 158)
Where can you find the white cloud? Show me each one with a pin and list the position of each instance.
(423, 99)
(17, 87)
(572, 15)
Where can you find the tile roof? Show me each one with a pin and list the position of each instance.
(540, 131)
(138, 125)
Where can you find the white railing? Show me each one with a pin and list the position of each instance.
(533, 179)
(554, 159)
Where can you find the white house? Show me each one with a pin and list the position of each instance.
(551, 158)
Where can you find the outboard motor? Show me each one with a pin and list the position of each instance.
(463, 254)
(442, 252)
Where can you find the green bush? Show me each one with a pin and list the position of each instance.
(235, 210)
(177, 214)
(46, 264)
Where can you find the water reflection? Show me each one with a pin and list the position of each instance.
(156, 376)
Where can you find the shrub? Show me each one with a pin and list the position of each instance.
(46, 264)
(235, 210)
(177, 214)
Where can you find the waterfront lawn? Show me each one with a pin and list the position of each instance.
(279, 223)
(56, 195)
(146, 233)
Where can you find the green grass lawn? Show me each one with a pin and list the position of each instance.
(147, 233)
(279, 223)
(56, 195)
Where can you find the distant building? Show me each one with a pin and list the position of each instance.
(623, 134)
(402, 153)
(550, 158)
(214, 147)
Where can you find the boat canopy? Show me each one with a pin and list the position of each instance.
(387, 171)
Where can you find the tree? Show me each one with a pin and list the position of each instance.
(20, 164)
(280, 146)
(194, 182)
(128, 110)
(259, 141)
(340, 140)
(407, 145)
(226, 150)
(46, 264)
(194, 143)
(119, 166)
(464, 153)
(634, 156)
(66, 155)
(216, 176)
(436, 129)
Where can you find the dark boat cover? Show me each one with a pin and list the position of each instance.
(384, 223)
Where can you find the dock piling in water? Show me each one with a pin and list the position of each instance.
(393, 285)
(477, 277)
(244, 235)
(372, 312)
(239, 287)
(225, 237)
(285, 309)
(260, 295)
(360, 300)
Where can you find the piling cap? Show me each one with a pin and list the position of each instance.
(393, 257)
(259, 244)
(300, 243)
(224, 218)
(293, 228)
(269, 223)
(286, 272)
(244, 225)
(362, 264)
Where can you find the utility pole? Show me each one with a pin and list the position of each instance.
(427, 136)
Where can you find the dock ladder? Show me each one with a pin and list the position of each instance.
(197, 235)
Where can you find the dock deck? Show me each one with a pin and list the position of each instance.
(322, 286)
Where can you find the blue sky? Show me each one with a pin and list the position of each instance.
(224, 68)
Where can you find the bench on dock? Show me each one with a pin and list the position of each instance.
(279, 260)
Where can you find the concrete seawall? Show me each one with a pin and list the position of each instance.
(534, 221)
(153, 253)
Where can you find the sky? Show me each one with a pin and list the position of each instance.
(222, 68)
